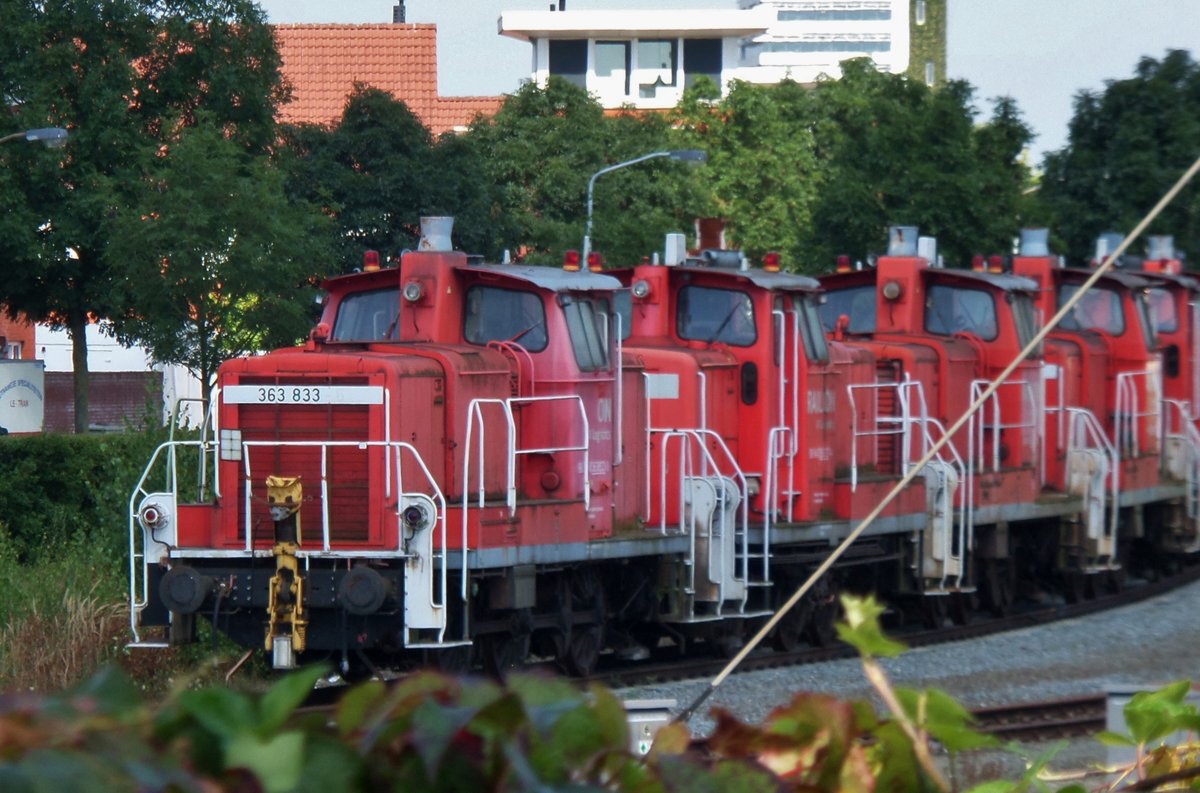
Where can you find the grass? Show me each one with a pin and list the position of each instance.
(50, 647)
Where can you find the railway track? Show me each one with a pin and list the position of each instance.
(664, 669)
(1039, 721)
(1024, 721)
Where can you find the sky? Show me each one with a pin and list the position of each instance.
(1040, 52)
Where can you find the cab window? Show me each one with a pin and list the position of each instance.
(1162, 309)
(1098, 309)
(811, 331)
(495, 314)
(857, 303)
(623, 306)
(1025, 318)
(588, 327)
(367, 316)
(950, 310)
(709, 315)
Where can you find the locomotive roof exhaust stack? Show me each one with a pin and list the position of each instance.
(927, 250)
(676, 249)
(902, 241)
(1034, 242)
(1160, 247)
(1106, 243)
(435, 234)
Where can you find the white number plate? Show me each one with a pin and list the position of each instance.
(302, 395)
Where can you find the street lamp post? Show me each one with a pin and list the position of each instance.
(687, 155)
(51, 137)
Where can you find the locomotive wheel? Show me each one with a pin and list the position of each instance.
(501, 653)
(1074, 585)
(934, 611)
(824, 612)
(581, 647)
(996, 587)
(789, 631)
(962, 608)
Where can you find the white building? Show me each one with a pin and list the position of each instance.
(106, 355)
(645, 59)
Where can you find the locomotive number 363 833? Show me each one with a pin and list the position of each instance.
(288, 394)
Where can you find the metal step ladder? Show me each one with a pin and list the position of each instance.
(1092, 462)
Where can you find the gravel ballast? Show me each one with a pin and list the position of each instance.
(1149, 643)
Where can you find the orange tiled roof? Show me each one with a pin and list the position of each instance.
(322, 63)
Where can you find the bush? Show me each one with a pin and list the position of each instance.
(59, 489)
(64, 548)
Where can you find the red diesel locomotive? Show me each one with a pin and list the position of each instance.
(471, 462)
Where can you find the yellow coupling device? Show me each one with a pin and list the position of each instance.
(286, 620)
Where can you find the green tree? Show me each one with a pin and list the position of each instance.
(540, 150)
(1126, 146)
(762, 169)
(215, 258)
(123, 76)
(895, 151)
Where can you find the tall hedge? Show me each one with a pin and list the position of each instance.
(58, 490)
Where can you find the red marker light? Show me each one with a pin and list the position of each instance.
(771, 262)
(995, 264)
(571, 261)
(370, 261)
(977, 263)
(843, 263)
(595, 262)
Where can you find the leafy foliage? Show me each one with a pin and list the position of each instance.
(216, 259)
(378, 172)
(83, 497)
(435, 733)
(1126, 146)
(763, 166)
(898, 152)
(122, 76)
(540, 151)
(816, 172)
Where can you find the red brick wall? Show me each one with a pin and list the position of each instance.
(114, 399)
(18, 330)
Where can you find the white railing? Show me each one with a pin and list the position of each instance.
(1179, 432)
(139, 553)
(926, 431)
(895, 427)
(394, 453)
(476, 424)
(990, 418)
(696, 463)
(1128, 424)
(1085, 434)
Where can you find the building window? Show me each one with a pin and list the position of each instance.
(920, 12)
(930, 73)
(12, 350)
(702, 57)
(829, 45)
(657, 66)
(828, 15)
(568, 59)
(612, 65)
